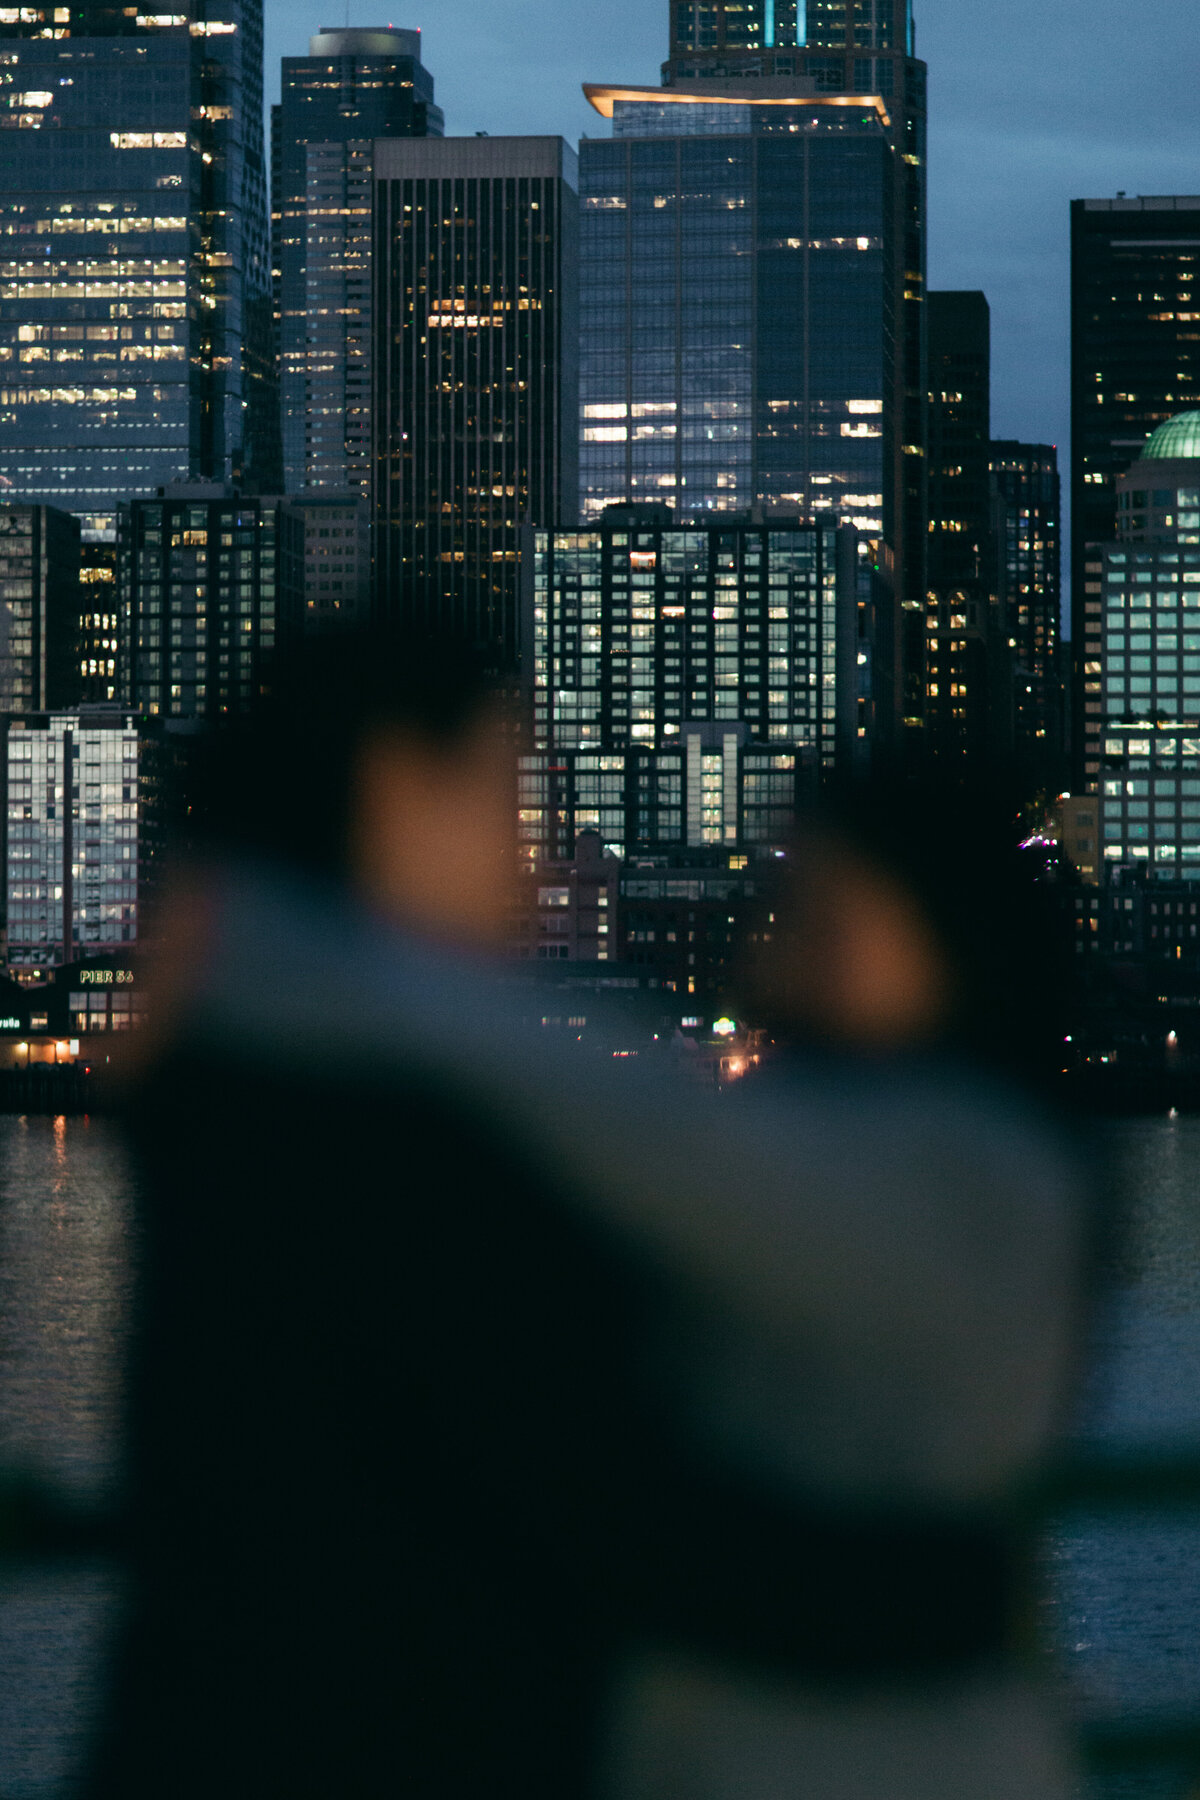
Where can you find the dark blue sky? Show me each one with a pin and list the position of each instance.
(1032, 103)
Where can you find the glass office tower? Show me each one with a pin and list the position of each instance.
(1135, 362)
(475, 409)
(752, 285)
(735, 307)
(134, 281)
(352, 87)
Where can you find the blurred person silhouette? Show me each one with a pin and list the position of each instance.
(504, 1423)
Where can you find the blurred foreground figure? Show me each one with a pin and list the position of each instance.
(503, 1423)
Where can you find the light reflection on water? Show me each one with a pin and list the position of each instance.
(65, 1222)
(1122, 1598)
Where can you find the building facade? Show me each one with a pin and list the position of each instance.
(1026, 486)
(642, 630)
(1135, 363)
(80, 833)
(1142, 661)
(334, 541)
(969, 661)
(715, 789)
(211, 594)
(134, 280)
(39, 609)
(475, 410)
(352, 87)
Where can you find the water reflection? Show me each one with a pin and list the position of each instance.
(1122, 1593)
(65, 1221)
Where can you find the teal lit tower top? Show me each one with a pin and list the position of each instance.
(727, 37)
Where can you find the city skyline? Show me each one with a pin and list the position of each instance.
(1056, 109)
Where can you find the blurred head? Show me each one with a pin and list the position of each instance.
(383, 762)
(906, 915)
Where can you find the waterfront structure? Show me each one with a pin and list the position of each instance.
(211, 594)
(334, 543)
(1135, 363)
(752, 284)
(475, 376)
(644, 633)
(39, 608)
(352, 87)
(1025, 483)
(134, 280)
(79, 793)
(1141, 642)
(969, 665)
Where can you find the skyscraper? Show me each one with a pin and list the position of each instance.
(352, 87)
(475, 409)
(1135, 362)
(968, 685)
(752, 282)
(1025, 481)
(134, 297)
(1141, 613)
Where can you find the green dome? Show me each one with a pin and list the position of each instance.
(1178, 438)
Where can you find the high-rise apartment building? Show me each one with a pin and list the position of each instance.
(352, 87)
(640, 627)
(211, 591)
(687, 682)
(1135, 362)
(134, 278)
(39, 608)
(752, 283)
(475, 409)
(1141, 663)
(79, 791)
(1026, 485)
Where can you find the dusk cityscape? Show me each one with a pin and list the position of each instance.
(599, 977)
